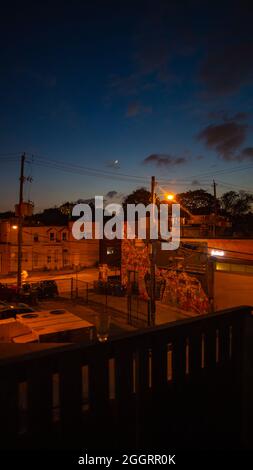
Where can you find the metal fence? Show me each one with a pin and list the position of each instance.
(135, 310)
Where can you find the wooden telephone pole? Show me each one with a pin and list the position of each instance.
(153, 261)
(215, 208)
(20, 222)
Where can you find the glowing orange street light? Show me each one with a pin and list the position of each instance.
(170, 197)
(14, 227)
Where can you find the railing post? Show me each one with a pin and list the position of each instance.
(246, 373)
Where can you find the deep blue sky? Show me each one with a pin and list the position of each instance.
(164, 87)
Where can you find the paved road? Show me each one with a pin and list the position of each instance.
(165, 313)
(118, 323)
(89, 274)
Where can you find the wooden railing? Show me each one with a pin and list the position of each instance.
(187, 385)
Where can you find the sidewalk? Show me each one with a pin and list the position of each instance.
(167, 313)
(84, 274)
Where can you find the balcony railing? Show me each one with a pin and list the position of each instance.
(185, 385)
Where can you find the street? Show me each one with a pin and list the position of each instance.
(89, 275)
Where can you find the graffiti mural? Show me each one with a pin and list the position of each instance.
(182, 290)
(173, 287)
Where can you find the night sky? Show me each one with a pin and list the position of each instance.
(165, 88)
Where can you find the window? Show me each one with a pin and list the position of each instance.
(49, 258)
(52, 236)
(110, 250)
(35, 237)
(234, 268)
(64, 236)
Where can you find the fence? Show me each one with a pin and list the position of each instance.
(183, 385)
(134, 309)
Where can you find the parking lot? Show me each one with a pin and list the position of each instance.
(118, 325)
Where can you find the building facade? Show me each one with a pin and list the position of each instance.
(45, 248)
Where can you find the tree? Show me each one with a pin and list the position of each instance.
(141, 195)
(7, 215)
(52, 216)
(236, 203)
(197, 202)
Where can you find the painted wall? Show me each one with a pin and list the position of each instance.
(232, 290)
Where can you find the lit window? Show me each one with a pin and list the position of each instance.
(110, 250)
(222, 267)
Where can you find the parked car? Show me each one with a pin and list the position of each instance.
(111, 287)
(7, 293)
(42, 289)
(11, 311)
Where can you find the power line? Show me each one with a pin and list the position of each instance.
(82, 167)
(224, 170)
(96, 172)
(232, 185)
(63, 166)
(7, 155)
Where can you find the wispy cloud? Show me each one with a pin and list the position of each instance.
(227, 138)
(195, 183)
(161, 160)
(111, 194)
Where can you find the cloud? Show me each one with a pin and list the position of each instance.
(161, 160)
(226, 116)
(246, 154)
(134, 109)
(226, 69)
(111, 194)
(226, 138)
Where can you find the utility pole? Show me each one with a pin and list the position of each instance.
(215, 208)
(20, 222)
(153, 260)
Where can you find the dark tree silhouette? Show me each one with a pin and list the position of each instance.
(237, 203)
(197, 202)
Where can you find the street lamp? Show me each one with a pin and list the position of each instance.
(14, 227)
